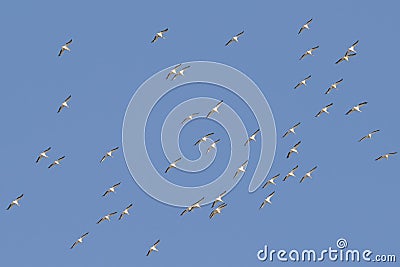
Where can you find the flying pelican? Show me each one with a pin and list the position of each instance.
(172, 165)
(181, 72)
(215, 109)
(291, 130)
(111, 189)
(15, 202)
(43, 155)
(386, 156)
(219, 199)
(153, 248)
(267, 200)
(346, 57)
(352, 48)
(291, 173)
(193, 206)
(80, 240)
(159, 35)
(190, 117)
(213, 145)
(234, 38)
(56, 162)
(309, 52)
(293, 149)
(368, 136)
(173, 71)
(324, 110)
(218, 210)
(106, 217)
(125, 212)
(65, 47)
(271, 181)
(305, 26)
(242, 168)
(252, 137)
(308, 174)
(303, 82)
(203, 139)
(108, 154)
(356, 108)
(64, 104)
(333, 86)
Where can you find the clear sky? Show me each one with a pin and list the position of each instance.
(350, 195)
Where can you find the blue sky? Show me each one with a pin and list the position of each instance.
(350, 196)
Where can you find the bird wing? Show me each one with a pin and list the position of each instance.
(38, 158)
(9, 206)
(85, 234)
(68, 98)
(302, 56)
(154, 39)
(105, 193)
(288, 154)
(350, 111)
(114, 149)
(301, 29)
(356, 43)
(117, 184)
(73, 245)
(60, 108)
(163, 31)
(302, 179)
(212, 213)
(328, 91)
(297, 85)
(287, 132)
(47, 150)
(99, 221)
(229, 42)
(308, 22)
(362, 104)
(240, 33)
(169, 167)
(340, 60)
(103, 158)
(363, 138)
(121, 216)
(341, 80)
(51, 165)
(61, 51)
(69, 42)
(296, 145)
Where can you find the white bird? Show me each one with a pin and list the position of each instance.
(368, 136)
(303, 82)
(203, 139)
(215, 109)
(181, 72)
(293, 149)
(218, 210)
(352, 48)
(111, 189)
(267, 200)
(386, 156)
(252, 137)
(64, 104)
(308, 174)
(271, 181)
(106, 217)
(15, 202)
(291, 173)
(213, 145)
(193, 206)
(242, 168)
(346, 57)
(324, 110)
(333, 86)
(108, 154)
(56, 162)
(79, 241)
(291, 130)
(309, 52)
(305, 26)
(43, 155)
(218, 199)
(125, 212)
(190, 117)
(159, 35)
(234, 38)
(172, 165)
(356, 108)
(153, 248)
(65, 47)
(173, 71)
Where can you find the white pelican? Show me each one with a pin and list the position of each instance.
(368, 136)
(271, 181)
(111, 189)
(303, 82)
(333, 86)
(125, 212)
(153, 248)
(159, 35)
(305, 26)
(190, 117)
(218, 210)
(172, 165)
(386, 156)
(80, 240)
(215, 109)
(242, 168)
(65, 47)
(346, 57)
(352, 48)
(108, 154)
(173, 71)
(213, 145)
(181, 72)
(106, 217)
(64, 104)
(293, 149)
(291, 173)
(218, 199)
(267, 200)
(309, 52)
(291, 130)
(324, 110)
(203, 139)
(252, 137)
(356, 108)
(234, 38)
(43, 155)
(193, 206)
(308, 174)
(56, 162)
(15, 202)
